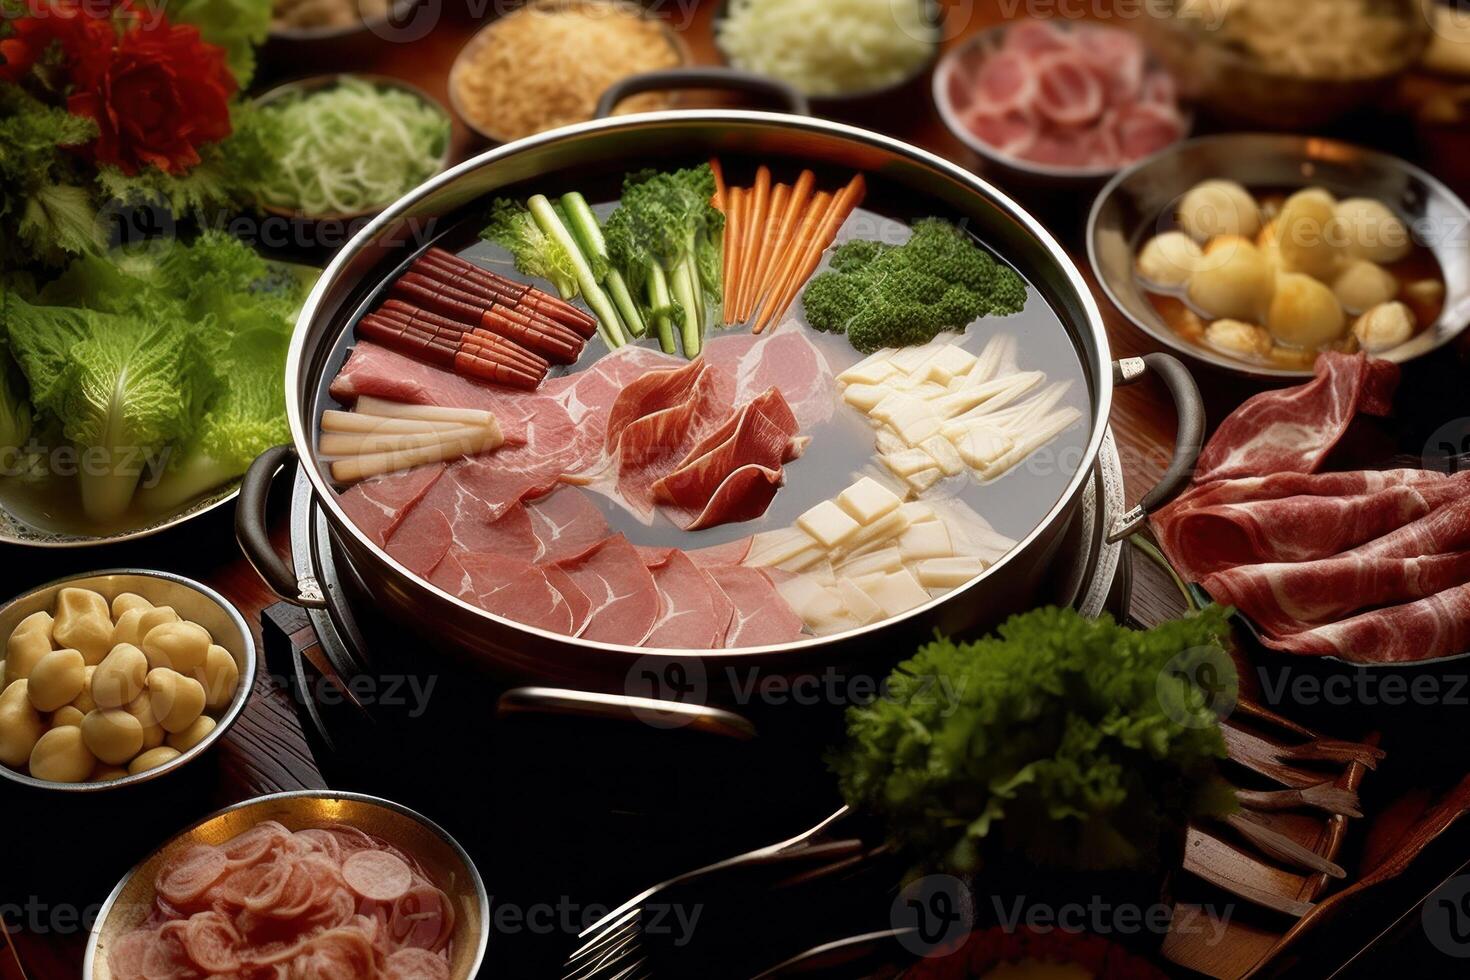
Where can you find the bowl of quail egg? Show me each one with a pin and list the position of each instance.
(1256, 253)
(118, 677)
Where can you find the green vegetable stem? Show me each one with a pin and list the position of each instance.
(608, 323)
(589, 236)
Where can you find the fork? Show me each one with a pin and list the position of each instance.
(616, 947)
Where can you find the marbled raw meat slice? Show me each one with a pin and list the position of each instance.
(784, 359)
(471, 499)
(730, 553)
(1066, 92)
(1437, 626)
(509, 588)
(1292, 430)
(1013, 132)
(566, 523)
(624, 600)
(687, 618)
(653, 445)
(377, 506)
(1007, 80)
(1144, 129)
(1118, 59)
(576, 599)
(760, 615)
(759, 435)
(654, 392)
(428, 539)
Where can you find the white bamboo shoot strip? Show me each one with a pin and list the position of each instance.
(367, 405)
(353, 422)
(351, 469)
(1033, 439)
(366, 443)
(987, 365)
(1006, 390)
(1015, 419)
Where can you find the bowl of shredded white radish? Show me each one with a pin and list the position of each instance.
(833, 51)
(350, 145)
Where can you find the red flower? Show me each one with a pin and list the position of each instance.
(156, 97)
(79, 34)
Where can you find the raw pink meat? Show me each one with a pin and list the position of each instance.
(1037, 37)
(1013, 132)
(784, 359)
(761, 616)
(377, 506)
(469, 499)
(1006, 81)
(1066, 92)
(1293, 430)
(653, 393)
(624, 599)
(576, 599)
(1437, 626)
(427, 541)
(687, 618)
(566, 524)
(1144, 129)
(732, 553)
(506, 587)
(1118, 59)
(654, 444)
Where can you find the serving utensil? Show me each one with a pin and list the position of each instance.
(446, 863)
(194, 602)
(1128, 210)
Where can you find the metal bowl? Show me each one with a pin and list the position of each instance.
(442, 857)
(14, 530)
(318, 82)
(844, 103)
(1013, 167)
(1239, 88)
(486, 35)
(1129, 208)
(194, 602)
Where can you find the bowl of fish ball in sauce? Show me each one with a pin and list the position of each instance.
(114, 678)
(1257, 253)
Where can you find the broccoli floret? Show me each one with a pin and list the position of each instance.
(897, 296)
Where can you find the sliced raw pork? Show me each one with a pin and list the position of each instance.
(624, 602)
(506, 587)
(378, 506)
(566, 523)
(694, 613)
(761, 617)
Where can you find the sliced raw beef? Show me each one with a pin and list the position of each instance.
(784, 359)
(429, 538)
(734, 472)
(378, 506)
(1212, 537)
(1013, 132)
(761, 616)
(653, 393)
(1067, 93)
(1444, 530)
(624, 600)
(1144, 129)
(1293, 430)
(566, 524)
(653, 445)
(1438, 626)
(1006, 81)
(576, 599)
(470, 500)
(1282, 599)
(509, 588)
(1119, 61)
(691, 606)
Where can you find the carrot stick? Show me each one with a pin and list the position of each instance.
(735, 216)
(719, 199)
(756, 202)
(770, 229)
(786, 236)
(811, 221)
(842, 206)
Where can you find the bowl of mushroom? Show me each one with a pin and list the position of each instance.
(1255, 253)
(114, 678)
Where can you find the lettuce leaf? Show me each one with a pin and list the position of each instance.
(123, 387)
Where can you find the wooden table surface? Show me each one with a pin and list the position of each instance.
(265, 752)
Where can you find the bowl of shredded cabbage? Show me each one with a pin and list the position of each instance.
(350, 145)
(833, 51)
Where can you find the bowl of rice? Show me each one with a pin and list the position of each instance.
(545, 64)
(841, 54)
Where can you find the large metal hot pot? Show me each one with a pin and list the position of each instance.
(611, 146)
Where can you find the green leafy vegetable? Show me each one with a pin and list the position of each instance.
(553, 223)
(904, 295)
(536, 254)
(16, 416)
(666, 221)
(45, 212)
(352, 147)
(1060, 742)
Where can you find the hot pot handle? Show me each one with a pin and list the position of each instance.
(729, 79)
(252, 530)
(1190, 408)
(626, 708)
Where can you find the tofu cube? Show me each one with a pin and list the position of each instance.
(828, 524)
(860, 606)
(948, 362)
(865, 398)
(981, 445)
(908, 462)
(944, 454)
(918, 512)
(896, 592)
(945, 573)
(924, 480)
(867, 500)
(872, 371)
(928, 540)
